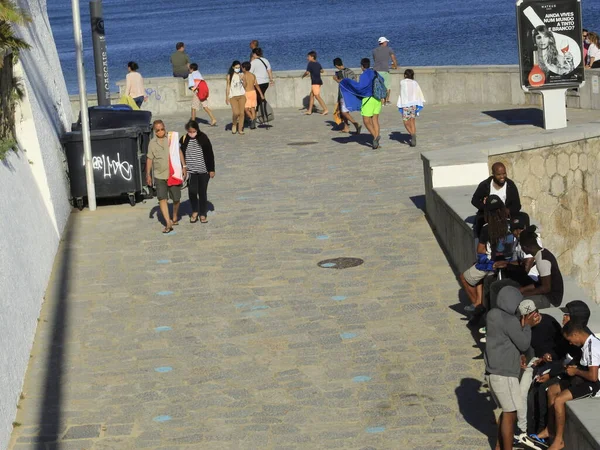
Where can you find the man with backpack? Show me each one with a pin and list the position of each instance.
(366, 95)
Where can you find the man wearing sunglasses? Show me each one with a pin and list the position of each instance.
(158, 159)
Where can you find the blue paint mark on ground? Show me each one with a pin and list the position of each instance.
(164, 369)
(322, 237)
(375, 429)
(254, 308)
(163, 261)
(361, 379)
(338, 298)
(164, 328)
(348, 335)
(172, 233)
(329, 265)
(162, 418)
(163, 293)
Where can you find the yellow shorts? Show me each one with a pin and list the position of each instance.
(370, 107)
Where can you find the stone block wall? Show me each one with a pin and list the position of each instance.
(560, 188)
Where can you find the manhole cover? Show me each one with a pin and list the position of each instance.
(300, 144)
(340, 263)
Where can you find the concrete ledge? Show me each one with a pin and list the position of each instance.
(581, 430)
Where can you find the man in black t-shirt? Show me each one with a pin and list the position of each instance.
(314, 70)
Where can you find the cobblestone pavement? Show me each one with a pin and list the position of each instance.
(230, 336)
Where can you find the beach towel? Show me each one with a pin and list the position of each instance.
(354, 91)
(175, 172)
(129, 101)
(410, 94)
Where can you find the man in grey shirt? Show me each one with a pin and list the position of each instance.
(381, 62)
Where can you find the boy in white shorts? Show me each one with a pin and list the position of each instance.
(193, 82)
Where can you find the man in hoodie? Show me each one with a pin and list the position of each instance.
(507, 338)
(358, 96)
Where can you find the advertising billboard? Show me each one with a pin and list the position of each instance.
(550, 44)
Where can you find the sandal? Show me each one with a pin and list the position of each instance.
(213, 124)
(167, 230)
(174, 223)
(205, 220)
(192, 220)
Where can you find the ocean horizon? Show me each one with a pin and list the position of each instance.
(422, 33)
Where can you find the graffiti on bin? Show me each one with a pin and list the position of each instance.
(112, 167)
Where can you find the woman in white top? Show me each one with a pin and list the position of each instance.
(134, 84)
(593, 51)
(410, 102)
(235, 95)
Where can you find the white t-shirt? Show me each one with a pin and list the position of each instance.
(594, 52)
(499, 192)
(259, 70)
(591, 352)
(195, 75)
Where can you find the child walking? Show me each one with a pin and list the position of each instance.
(194, 80)
(410, 102)
(314, 69)
(251, 86)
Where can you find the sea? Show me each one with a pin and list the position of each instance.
(216, 32)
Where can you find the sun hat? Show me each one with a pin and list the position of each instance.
(383, 39)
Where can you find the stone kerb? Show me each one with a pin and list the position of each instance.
(559, 183)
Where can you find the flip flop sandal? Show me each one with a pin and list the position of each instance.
(167, 230)
(194, 221)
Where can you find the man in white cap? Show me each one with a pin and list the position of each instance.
(381, 63)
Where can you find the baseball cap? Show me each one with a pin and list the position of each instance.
(493, 203)
(383, 39)
(519, 222)
(527, 307)
(578, 311)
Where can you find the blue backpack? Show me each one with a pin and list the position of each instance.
(379, 89)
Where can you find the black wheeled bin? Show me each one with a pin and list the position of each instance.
(116, 160)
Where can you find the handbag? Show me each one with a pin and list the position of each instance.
(266, 113)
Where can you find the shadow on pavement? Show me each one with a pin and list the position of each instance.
(477, 408)
(403, 138)
(185, 209)
(362, 139)
(419, 201)
(519, 116)
(50, 414)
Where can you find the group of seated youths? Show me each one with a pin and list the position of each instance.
(533, 365)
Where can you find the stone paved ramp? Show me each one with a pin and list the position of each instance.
(230, 336)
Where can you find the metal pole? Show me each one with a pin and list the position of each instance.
(85, 121)
(100, 54)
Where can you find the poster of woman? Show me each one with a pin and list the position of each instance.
(550, 51)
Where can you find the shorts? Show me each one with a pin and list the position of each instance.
(370, 107)
(386, 79)
(409, 112)
(164, 191)
(473, 275)
(579, 387)
(343, 106)
(251, 101)
(316, 89)
(196, 103)
(505, 391)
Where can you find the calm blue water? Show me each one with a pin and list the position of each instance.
(422, 32)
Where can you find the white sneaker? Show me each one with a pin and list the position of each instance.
(483, 340)
(483, 330)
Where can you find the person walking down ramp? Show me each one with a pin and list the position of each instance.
(365, 95)
(410, 102)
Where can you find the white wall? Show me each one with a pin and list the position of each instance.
(34, 205)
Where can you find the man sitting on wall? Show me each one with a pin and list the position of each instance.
(498, 184)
